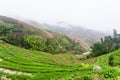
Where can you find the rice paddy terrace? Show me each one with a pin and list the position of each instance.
(104, 59)
(22, 64)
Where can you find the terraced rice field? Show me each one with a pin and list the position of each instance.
(44, 66)
(33, 62)
(104, 59)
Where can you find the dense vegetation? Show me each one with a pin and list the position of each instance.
(15, 35)
(106, 45)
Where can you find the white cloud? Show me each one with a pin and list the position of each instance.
(95, 14)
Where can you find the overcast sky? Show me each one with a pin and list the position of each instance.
(95, 14)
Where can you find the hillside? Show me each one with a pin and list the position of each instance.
(37, 38)
(104, 59)
(27, 27)
(87, 35)
(23, 64)
(64, 30)
(26, 61)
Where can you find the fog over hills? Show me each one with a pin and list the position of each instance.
(81, 34)
(88, 35)
(98, 15)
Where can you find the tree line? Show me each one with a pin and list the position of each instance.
(106, 44)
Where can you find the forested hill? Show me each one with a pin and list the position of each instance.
(28, 36)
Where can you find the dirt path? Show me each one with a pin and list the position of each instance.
(14, 72)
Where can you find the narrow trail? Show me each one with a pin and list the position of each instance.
(14, 72)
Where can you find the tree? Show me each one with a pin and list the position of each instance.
(108, 44)
(5, 29)
(35, 42)
(98, 49)
(114, 33)
(111, 60)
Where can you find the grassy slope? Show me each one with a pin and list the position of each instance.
(104, 59)
(27, 57)
(62, 66)
(20, 59)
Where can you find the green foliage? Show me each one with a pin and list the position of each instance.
(53, 45)
(64, 42)
(8, 33)
(87, 77)
(6, 29)
(111, 60)
(110, 73)
(114, 59)
(35, 42)
(14, 34)
(61, 44)
(98, 49)
(78, 49)
(107, 45)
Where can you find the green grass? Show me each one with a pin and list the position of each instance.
(104, 59)
(45, 66)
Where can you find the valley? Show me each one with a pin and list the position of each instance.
(31, 53)
(56, 67)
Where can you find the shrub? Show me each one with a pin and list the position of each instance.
(35, 42)
(109, 73)
(111, 60)
(87, 77)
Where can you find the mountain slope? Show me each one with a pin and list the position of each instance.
(57, 29)
(104, 59)
(37, 37)
(26, 27)
(86, 35)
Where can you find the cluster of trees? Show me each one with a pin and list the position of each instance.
(8, 33)
(106, 45)
(14, 34)
(7, 29)
(58, 44)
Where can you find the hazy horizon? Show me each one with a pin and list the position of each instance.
(93, 14)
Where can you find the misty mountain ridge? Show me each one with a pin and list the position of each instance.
(88, 35)
(81, 34)
(31, 35)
